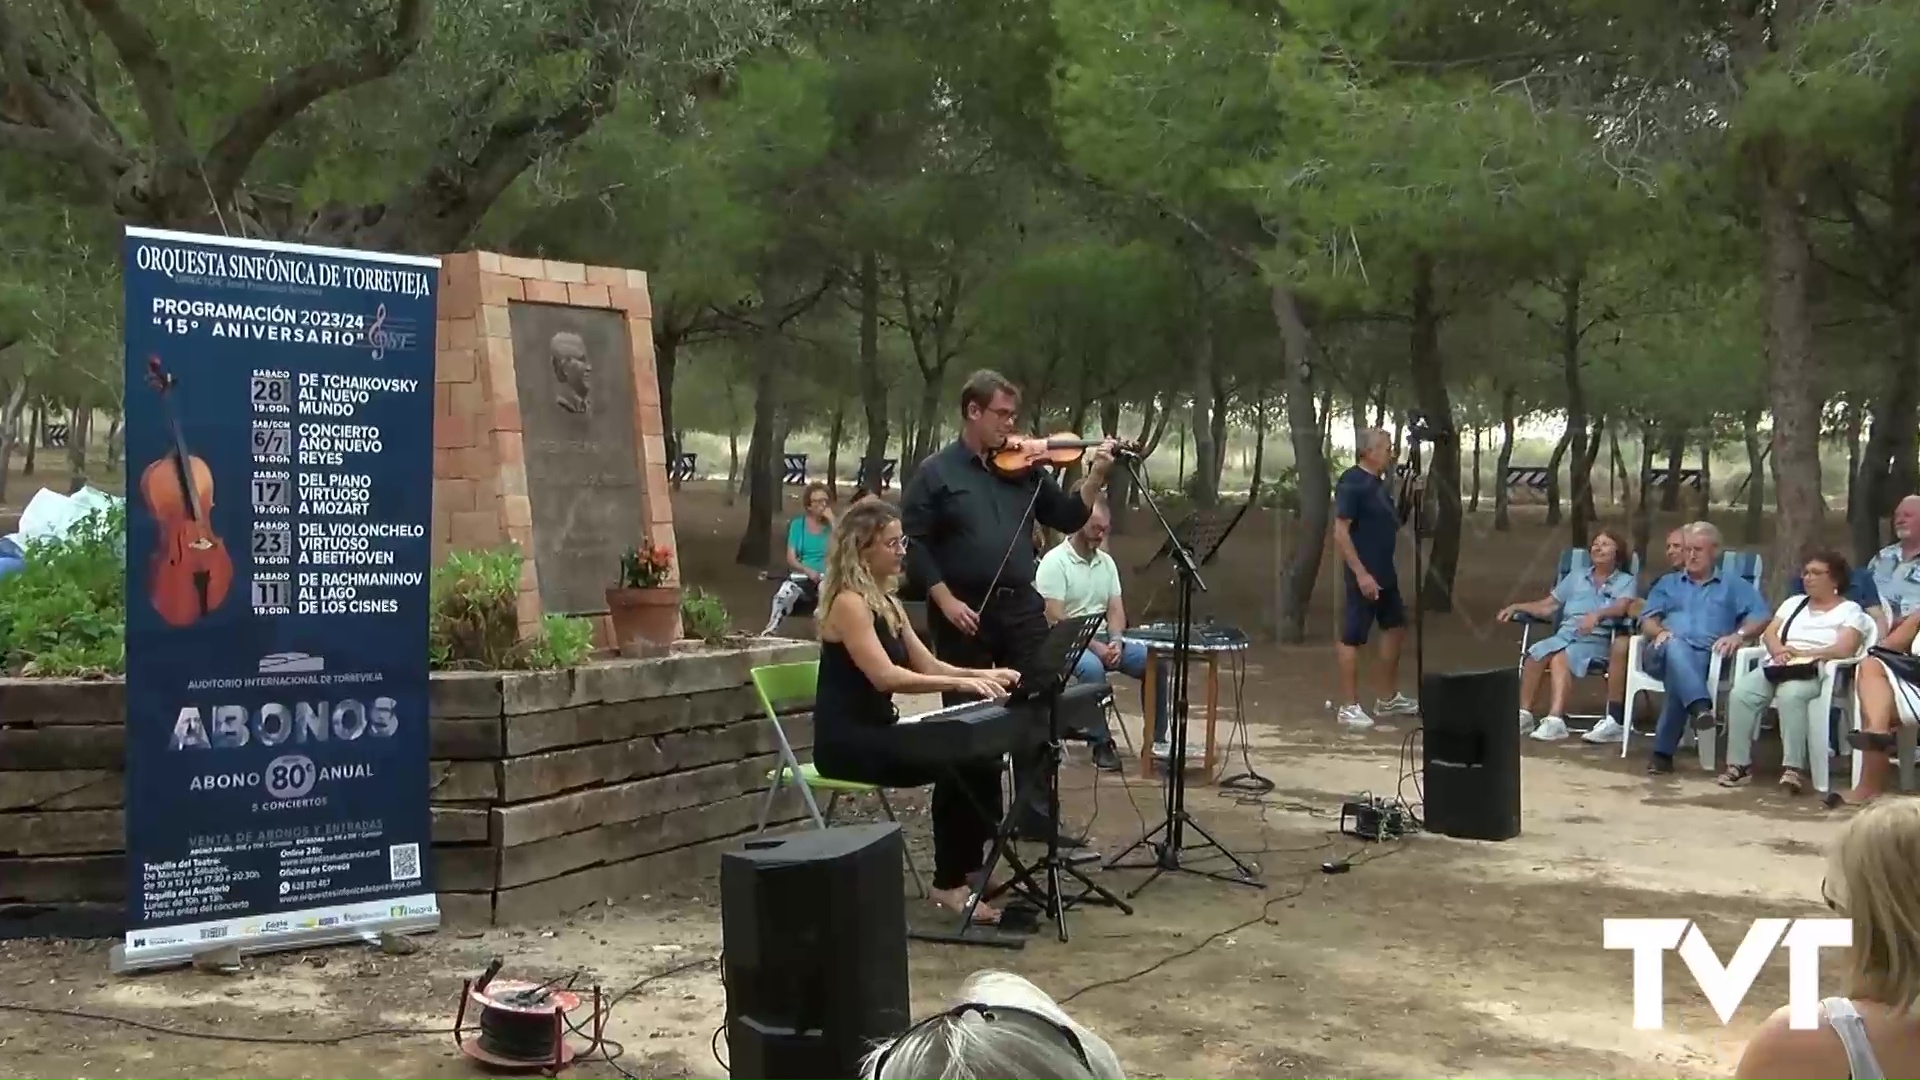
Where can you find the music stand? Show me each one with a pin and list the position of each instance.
(1203, 533)
(1168, 849)
(1050, 670)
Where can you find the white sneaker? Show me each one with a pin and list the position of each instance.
(1526, 721)
(1397, 705)
(1552, 729)
(1355, 718)
(1607, 730)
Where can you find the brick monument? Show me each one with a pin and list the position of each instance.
(546, 430)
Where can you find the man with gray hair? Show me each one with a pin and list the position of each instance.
(1688, 618)
(1365, 526)
(1896, 568)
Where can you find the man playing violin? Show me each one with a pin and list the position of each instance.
(970, 543)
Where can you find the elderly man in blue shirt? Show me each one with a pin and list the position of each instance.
(1688, 618)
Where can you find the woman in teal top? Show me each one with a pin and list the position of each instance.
(806, 556)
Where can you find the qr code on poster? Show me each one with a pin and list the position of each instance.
(403, 862)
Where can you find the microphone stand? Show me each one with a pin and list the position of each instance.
(1171, 832)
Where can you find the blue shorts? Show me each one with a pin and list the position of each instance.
(1360, 614)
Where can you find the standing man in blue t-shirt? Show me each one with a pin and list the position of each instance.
(1365, 526)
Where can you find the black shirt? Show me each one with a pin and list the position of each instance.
(960, 517)
(1361, 498)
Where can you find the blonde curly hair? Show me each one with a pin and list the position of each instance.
(857, 530)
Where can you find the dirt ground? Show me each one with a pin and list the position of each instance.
(1432, 957)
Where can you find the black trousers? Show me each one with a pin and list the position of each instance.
(1013, 626)
(966, 794)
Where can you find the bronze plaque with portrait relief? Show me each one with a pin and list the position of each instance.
(573, 368)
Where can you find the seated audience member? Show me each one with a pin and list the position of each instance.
(1895, 570)
(1078, 578)
(1817, 626)
(1582, 601)
(868, 653)
(1873, 878)
(1003, 1026)
(806, 555)
(1889, 693)
(1687, 619)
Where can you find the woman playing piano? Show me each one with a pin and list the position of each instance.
(868, 653)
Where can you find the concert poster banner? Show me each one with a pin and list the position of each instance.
(279, 448)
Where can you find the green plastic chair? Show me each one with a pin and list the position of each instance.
(790, 685)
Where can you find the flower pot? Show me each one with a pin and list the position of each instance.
(645, 616)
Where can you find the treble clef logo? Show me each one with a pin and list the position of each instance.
(377, 333)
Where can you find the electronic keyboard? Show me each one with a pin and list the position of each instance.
(986, 729)
(1207, 637)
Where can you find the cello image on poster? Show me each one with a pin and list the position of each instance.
(190, 571)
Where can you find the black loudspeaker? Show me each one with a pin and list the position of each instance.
(1470, 750)
(814, 926)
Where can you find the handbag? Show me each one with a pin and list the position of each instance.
(1902, 665)
(1782, 673)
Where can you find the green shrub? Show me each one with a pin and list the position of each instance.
(475, 619)
(703, 616)
(65, 614)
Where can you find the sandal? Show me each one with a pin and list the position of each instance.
(1736, 776)
(984, 914)
(1793, 781)
(1861, 739)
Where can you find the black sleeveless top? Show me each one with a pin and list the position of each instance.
(855, 726)
(845, 701)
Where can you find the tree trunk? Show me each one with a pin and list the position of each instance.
(1180, 463)
(79, 434)
(1886, 469)
(1583, 497)
(36, 433)
(10, 415)
(1676, 459)
(1580, 463)
(1791, 390)
(1359, 406)
(1473, 504)
(873, 379)
(1203, 485)
(116, 441)
(1553, 475)
(1256, 474)
(1443, 476)
(1502, 494)
(1219, 431)
(666, 361)
(1120, 480)
(1703, 499)
(1643, 507)
(1617, 465)
(1756, 478)
(763, 454)
(734, 479)
(1323, 424)
(836, 433)
(1310, 466)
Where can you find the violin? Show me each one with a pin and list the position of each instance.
(190, 571)
(1020, 455)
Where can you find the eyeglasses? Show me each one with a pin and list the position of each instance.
(989, 1013)
(898, 543)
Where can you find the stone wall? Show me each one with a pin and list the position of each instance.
(551, 791)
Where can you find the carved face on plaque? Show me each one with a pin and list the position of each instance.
(572, 370)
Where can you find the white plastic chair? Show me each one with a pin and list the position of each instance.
(1739, 564)
(1571, 560)
(1820, 735)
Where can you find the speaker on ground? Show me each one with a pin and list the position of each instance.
(1470, 751)
(815, 937)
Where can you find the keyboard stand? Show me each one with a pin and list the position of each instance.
(1039, 882)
